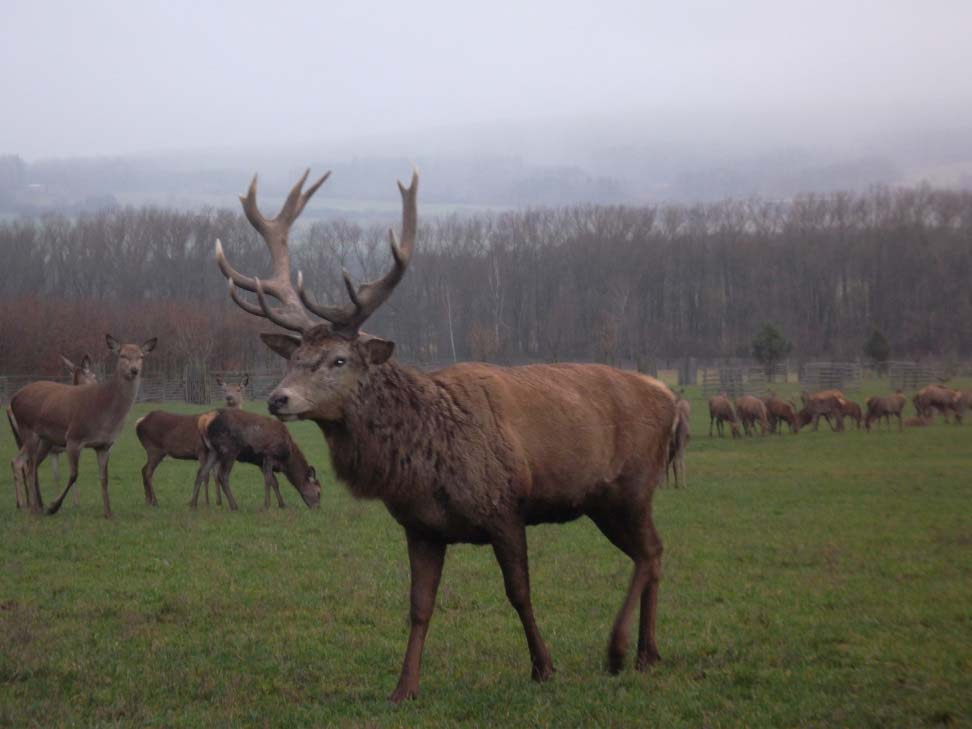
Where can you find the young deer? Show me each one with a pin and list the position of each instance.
(235, 435)
(176, 436)
(472, 453)
(50, 414)
(80, 375)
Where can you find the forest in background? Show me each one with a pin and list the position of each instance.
(582, 282)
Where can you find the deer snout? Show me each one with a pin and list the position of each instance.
(277, 402)
(133, 371)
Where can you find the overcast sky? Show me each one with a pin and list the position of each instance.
(87, 77)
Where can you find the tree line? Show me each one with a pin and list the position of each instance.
(587, 282)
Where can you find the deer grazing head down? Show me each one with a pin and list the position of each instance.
(331, 357)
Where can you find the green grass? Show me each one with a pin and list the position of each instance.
(819, 580)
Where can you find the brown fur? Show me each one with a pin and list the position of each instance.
(780, 411)
(176, 436)
(961, 402)
(850, 409)
(826, 404)
(917, 421)
(235, 435)
(751, 411)
(935, 398)
(884, 407)
(720, 411)
(679, 443)
(72, 417)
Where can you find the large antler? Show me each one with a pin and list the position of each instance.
(366, 299)
(291, 314)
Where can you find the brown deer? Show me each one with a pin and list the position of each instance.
(961, 402)
(80, 375)
(884, 407)
(73, 417)
(850, 409)
(679, 443)
(168, 434)
(720, 411)
(235, 435)
(825, 404)
(918, 421)
(751, 410)
(472, 453)
(780, 411)
(932, 398)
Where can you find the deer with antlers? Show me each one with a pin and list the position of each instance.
(81, 374)
(51, 414)
(472, 453)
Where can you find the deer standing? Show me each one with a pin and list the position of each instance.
(51, 414)
(720, 411)
(472, 453)
(80, 375)
(236, 435)
(168, 434)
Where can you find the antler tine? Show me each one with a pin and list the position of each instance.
(274, 232)
(366, 299)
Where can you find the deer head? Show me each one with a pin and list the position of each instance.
(80, 374)
(131, 357)
(234, 394)
(332, 356)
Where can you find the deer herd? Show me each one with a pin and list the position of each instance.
(771, 412)
(472, 453)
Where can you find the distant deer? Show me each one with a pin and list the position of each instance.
(236, 435)
(80, 375)
(852, 411)
(168, 434)
(884, 407)
(824, 404)
(720, 411)
(50, 414)
(472, 453)
(932, 398)
(779, 411)
(751, 410)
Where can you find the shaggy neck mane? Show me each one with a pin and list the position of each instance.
(398, 435)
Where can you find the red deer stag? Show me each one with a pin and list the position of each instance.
(751, 410)
(236, 435)
(720, 411)
(884, 407)
(80, 375)
(167, 434)
(50, 414)
(472, 453)
(680, 439)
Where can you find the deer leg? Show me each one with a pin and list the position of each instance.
(18, 467)
(276, 490)
(73, 453)
(36, 451)
(103, 454)
(155, 457)
(56, 475)
(510, 548)
(267, 469)
(425, 559)
(203, 475)
(222, 481)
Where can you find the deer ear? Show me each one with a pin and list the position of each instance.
(67, 363)
(377, 351)
(282, 344)
(246, 380)
(219, 380)
(149, 345)
(112, 343)
(86, 361)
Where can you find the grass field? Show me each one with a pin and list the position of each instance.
(819, 580)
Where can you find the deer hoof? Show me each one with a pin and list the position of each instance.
(542, 673)
(647, 660)
(401, 693)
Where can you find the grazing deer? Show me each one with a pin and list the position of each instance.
(720, 411)
(935, 397)
(472, 453)
(884, 407)
(80, 375)
(751, 410)
(825, 404)
(236, 435)
(167, 434)
(961, 402)
(851, 410)
(679, 442)
(50, 414)
(779, 411)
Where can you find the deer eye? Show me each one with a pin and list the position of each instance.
(339, 362)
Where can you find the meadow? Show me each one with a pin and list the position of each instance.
(816, 580)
